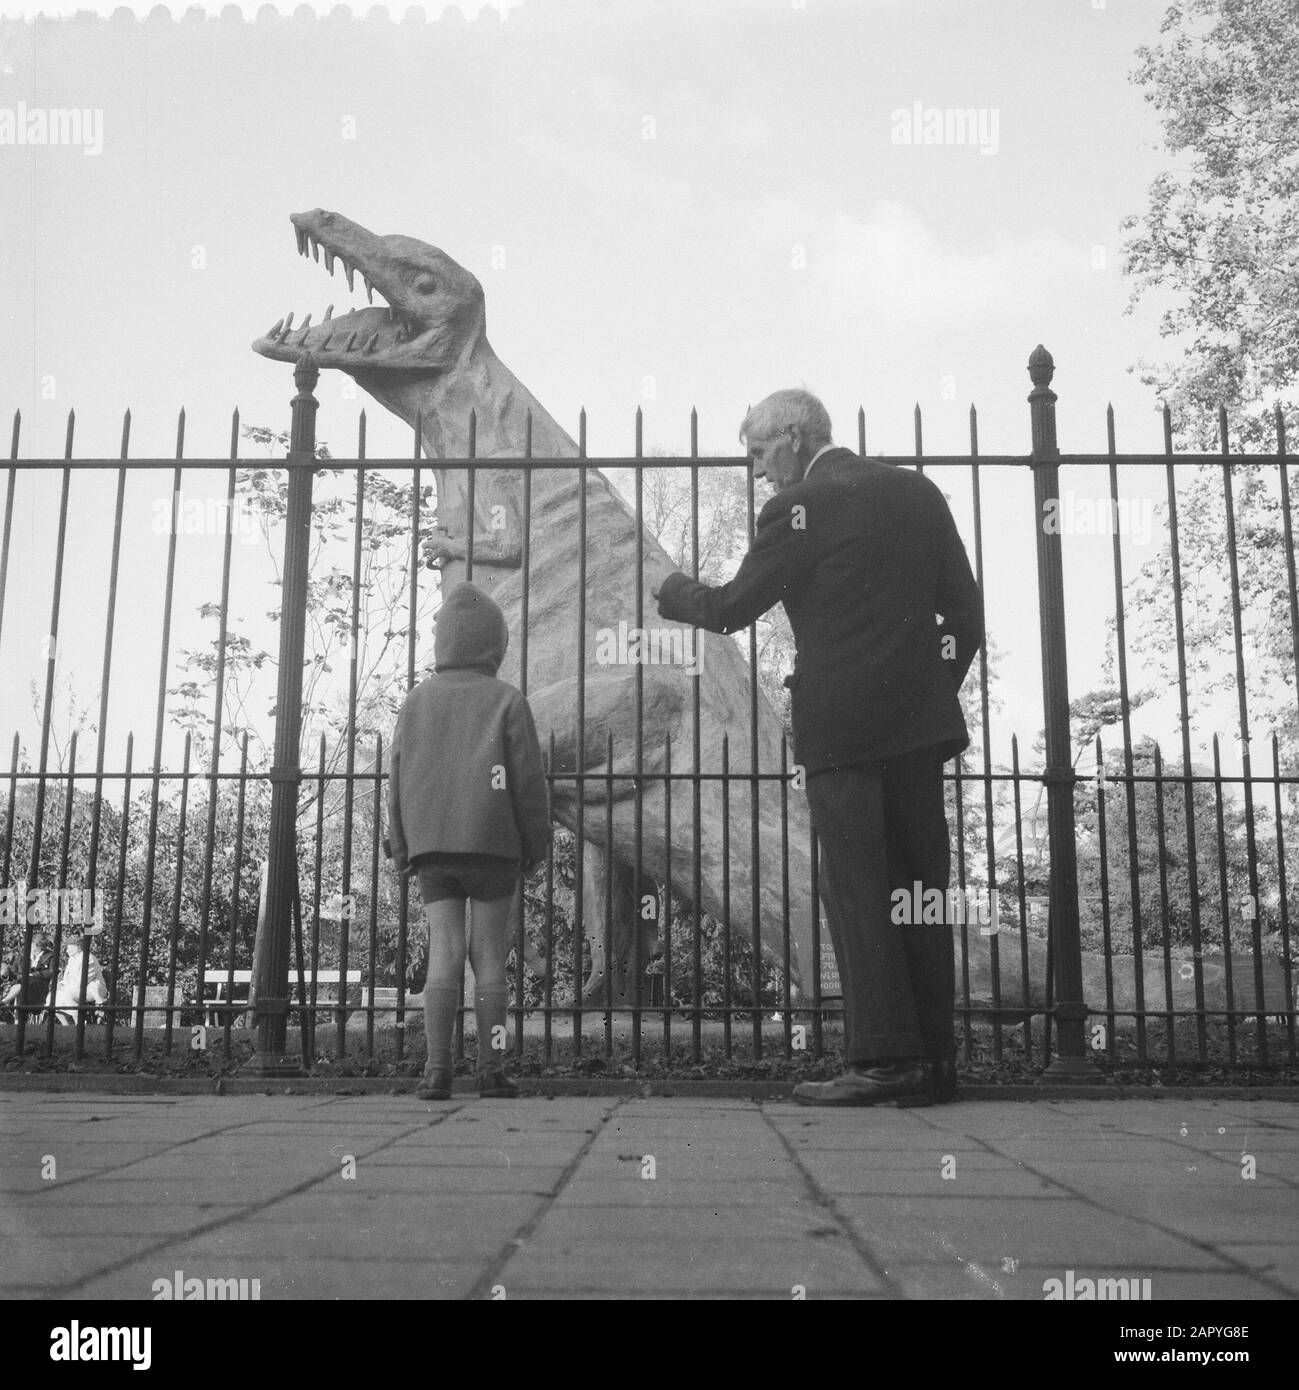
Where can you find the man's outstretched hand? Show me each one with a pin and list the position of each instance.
(656, 570)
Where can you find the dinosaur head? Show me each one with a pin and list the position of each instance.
(434, 316)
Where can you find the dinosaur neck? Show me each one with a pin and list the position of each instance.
(480, 382)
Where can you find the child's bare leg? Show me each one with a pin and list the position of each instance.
(488, 949)
(446, 969)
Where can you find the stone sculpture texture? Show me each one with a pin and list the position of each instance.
(427, 355)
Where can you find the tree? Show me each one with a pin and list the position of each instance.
(1221, 233)
(1219, 246)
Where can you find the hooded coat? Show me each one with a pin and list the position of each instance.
(466, 775)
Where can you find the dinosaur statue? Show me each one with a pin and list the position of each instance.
(427, 354)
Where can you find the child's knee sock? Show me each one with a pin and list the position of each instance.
(440, 1004)
(490, 1003)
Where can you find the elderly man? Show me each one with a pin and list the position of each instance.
(887, 618)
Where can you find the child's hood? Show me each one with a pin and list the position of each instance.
(471, 632)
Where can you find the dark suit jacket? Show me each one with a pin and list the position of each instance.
(864, 556)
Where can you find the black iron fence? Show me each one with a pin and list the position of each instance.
(228, 887)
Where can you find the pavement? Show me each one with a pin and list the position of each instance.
(327, 1196)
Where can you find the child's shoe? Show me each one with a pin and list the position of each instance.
(495, 1085)
(435, 1085)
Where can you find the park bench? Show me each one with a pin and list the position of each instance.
(216, 1005)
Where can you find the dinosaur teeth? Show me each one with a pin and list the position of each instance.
(370, 345)
(306, 323)
(288, 323)
(329, 260)
(329, 338)
(302, 240)
(329, 313)
(275, 328)
(350, 342)
(349, 270)
(369, 288)
(315, 248)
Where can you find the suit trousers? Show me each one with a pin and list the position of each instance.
(882, 827)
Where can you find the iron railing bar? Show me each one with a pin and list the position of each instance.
(726, 895)
(958, 786)
(159, 724)
(309, 1022)
(376, 822)
(1023, 924)
(579, 870)
(638, 828)
(124, 834)
(697, 1017)
(755, 841)
(9, 514)
(240, 805)
(1287, 528)
(173, 932)
(1125, 709)
(92, 852)
(548, 985)
(1161, 838)
(218, 710)
(367, 776)
(985, 723)
(65, 841)
(471, 506)
(525, 562)
(38, 812)
(1102, 843)
(665, 934)
(472, 464)
(607, 854)
(787, 997)
(1238, 632)
(10, 808)
(353, 688)
(1179, 629)
(1224, 895)
(1287, 964)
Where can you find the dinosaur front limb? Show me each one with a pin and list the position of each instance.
(442, 549)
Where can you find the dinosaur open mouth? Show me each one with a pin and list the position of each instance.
(377, 337)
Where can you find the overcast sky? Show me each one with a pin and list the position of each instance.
(669, 205)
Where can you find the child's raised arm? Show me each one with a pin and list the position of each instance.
(527, 776)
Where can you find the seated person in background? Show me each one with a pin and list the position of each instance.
(40, 974)
(67, 995)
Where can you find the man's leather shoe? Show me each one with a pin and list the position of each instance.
(944, 1077)
(894, 1083)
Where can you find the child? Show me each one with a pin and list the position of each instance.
(467, 812)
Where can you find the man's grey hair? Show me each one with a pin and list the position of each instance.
(781, 409)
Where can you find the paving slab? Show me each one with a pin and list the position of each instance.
(334, 1196)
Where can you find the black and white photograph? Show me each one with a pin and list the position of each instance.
(650, 651)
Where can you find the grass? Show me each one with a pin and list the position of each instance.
(979, 1061)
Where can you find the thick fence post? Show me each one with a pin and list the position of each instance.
(272, 975)
(1070, 1057)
